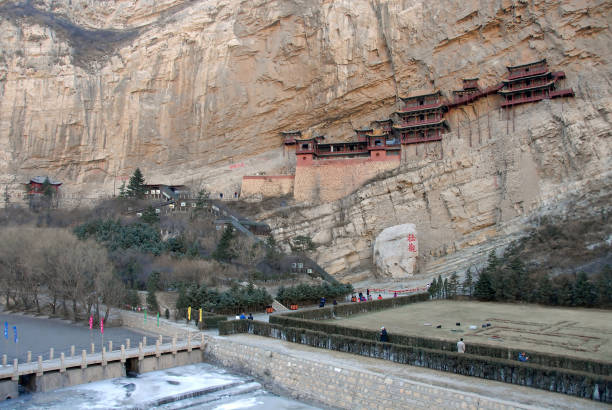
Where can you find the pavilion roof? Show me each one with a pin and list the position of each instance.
(42, 179)
(514, 67)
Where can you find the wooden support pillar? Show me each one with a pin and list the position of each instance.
(140, 351)
(72, 350)
(174, 345)
(29, 359)
(122, 354)
(84, 359)
(157, 352)
(110, 346)
(127, 343)
(4, 359)
(39, 371)
(51, 354)
(93, 348)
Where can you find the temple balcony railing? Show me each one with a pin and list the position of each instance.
(534, 84)
(417, 140)
(569, 92)
(421, 107)
(416, 123)
(523, 100)
(525, 73)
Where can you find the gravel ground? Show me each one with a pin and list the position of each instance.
(38, 335)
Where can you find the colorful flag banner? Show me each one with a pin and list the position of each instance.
(200, 314)
(6, 330)
(90, 322)
(145, 315)
(102, 325)
(15, 333)
(189, 313)
(157, 319)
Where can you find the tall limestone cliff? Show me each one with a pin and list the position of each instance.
(198, 91)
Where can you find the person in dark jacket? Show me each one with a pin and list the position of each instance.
(322, 302)
(384, 337)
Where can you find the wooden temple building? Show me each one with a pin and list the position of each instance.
(422, 118)
(36, 184)
(290, 137)
(530, 83)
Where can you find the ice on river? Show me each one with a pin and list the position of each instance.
(198, 386)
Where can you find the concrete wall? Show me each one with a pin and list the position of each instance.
(8, 389)
(266, 185)
(71, 377)
(342, 387)
(167, 361)
(328, 180)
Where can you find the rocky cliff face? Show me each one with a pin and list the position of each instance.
(198, 91)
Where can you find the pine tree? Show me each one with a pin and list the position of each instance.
(492, 263)
(483, 289)
(603, 286)
(136, 187)
(468, 283)
(224, 250)
(123, 191)
(149, 216)
(545, 292)
(446, 288)
(152, 286)
(584, 291)
(453, 284)
(152, 304)
(564, 291)
(440, 288)
(433, 288)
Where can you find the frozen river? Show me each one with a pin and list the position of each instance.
(38, 335)
(198, 386)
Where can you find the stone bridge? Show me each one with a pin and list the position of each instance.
(41, 376)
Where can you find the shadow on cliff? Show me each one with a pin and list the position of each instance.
(88, 46)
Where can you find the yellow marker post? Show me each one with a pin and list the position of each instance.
(200, 315)
(189, 313)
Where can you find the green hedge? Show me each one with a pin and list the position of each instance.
(581, 384)
(308, 320)
(210, 320)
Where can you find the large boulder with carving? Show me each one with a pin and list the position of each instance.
(395, 251)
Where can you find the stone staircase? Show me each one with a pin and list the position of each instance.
(279, 307)
(473, 256)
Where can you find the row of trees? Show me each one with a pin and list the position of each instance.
(506, 279)
(49, 268)
(234, 300)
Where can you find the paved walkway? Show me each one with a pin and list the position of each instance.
(505, 394)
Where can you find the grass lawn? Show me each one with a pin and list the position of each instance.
(585, 333)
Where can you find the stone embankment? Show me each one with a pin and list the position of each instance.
(348, 381)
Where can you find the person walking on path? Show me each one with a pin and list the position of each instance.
(322, 302)
(384, 337)
(460, 346)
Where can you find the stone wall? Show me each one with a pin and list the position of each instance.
(575, 383)
(329, 180)
(336, 385)
(266, 185)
